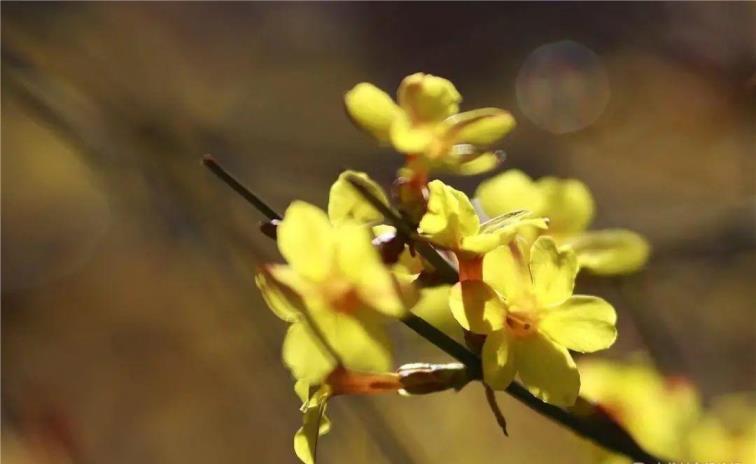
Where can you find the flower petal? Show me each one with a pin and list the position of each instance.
(469, 165)
(582, 323)
(277, 283)
(433, 306)
(610, 251)
(513, 220)
(407, 137)
(450, 216)
(428, 98)
(346, 204)
(476, 307)
(305, 239)
(509, 191)
(481, 244)
(360, 262)
(505, 269)
(501, 230)
(372, 109)
(481, 127)
(547, 370)
(361, 344)
(553, 271)
(305, 356)
(498, 358)
(568, 204)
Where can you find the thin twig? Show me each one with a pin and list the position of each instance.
(446, 343)
(215, 167)
(491, 399)
(604, 432)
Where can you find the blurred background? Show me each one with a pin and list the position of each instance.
(131, 327)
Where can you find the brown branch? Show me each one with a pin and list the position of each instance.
(211, 164)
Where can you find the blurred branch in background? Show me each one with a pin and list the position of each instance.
(87, 125)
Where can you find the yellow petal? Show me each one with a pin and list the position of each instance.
(568, 204)
(553, 271)
(433, 306)
(305, 239)
(345, 203)
(360, 263)
(547, 370)
(302, 389)
(305, 356)
(509, 191)
(469, 166)
(610, 251)
(582, 323)
(501, 230)
(280, 299)
(361, 345)
(372, 109)
(481, 127)
(476, 307)
(481, 244)
(512, 220)
(407, 137)
(498, 358)
(450, 216)
(505, 269)
(428, 98)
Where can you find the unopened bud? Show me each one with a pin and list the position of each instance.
(423, 378)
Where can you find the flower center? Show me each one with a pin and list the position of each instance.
(342, 296)
(521, 324)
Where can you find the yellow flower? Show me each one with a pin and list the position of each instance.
(426, 124)
(525, 307)
(452, 223)
(726, 432)
(336, 278)
(658, 412)
(570, 207)
(665, 416)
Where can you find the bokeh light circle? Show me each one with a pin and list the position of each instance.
(562, 87)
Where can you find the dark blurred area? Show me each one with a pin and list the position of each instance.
(131, 327)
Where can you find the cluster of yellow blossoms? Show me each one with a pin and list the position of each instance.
(666, 416)
(518, 255)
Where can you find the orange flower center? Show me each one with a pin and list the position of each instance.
(342, 296)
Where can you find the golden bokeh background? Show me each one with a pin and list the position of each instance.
(131, 327)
